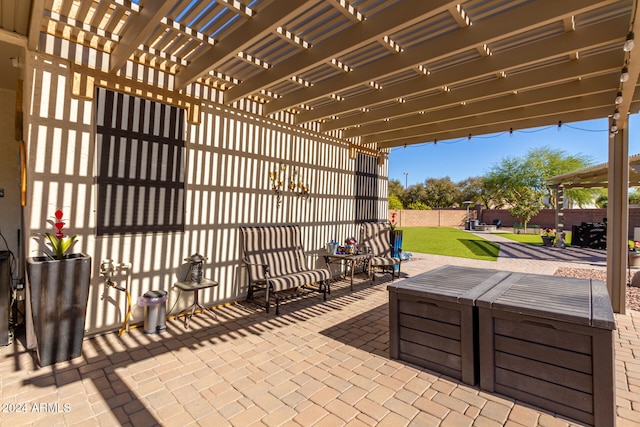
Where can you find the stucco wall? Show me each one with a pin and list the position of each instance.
(229, 156)
(9, 175)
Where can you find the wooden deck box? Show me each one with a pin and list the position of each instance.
(432, 319)
(548, 341)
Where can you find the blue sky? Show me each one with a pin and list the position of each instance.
(460, 159)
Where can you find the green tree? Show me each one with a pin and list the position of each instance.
(549, 162)
(395, 188)
(602, 197)
(492, 192)
(523, 181)
(440, 192)
(415, 193)
(394, 203)
(418, 206)
(478, 190)
(521, 186)
(634, 197)
(581, 196)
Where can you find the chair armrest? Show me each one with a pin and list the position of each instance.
(265, 267)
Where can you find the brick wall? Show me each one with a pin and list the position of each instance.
(547, 217)
(455, 217)
(433, 218)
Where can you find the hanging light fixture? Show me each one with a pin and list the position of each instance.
(624, 76)
(629, 43)
(616, 114)
(614, 127)
(618, 100)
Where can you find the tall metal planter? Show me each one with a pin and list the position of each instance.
(59, 292)
(395, 237)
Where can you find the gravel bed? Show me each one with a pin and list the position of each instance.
(633, 292)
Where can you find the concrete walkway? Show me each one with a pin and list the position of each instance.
(515, 256)
(318, 364)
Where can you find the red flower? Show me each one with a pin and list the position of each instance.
(58, 242)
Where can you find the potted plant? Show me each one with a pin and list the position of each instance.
(395, 238)
(634, 254)
(59, 288)
(548, 236)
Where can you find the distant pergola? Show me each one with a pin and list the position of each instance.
(595, 176)
(601, 176)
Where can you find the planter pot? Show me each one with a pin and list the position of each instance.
(634, 259)
(547, 240)
(395, 237)
(58, 290)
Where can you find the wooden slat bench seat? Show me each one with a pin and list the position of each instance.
(275, 262)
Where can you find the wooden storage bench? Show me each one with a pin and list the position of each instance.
(548, 341)
(432, 319)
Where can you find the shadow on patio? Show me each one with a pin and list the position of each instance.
(324, 363)
(125, 375)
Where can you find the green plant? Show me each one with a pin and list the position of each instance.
(548, 232)
(58, 242)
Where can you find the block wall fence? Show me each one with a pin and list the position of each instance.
(456, 217)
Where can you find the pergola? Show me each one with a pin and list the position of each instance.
(596, 176)
(383, 73)
(374, 73)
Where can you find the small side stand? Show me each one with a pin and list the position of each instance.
(195, 287)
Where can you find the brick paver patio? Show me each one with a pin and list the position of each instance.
(320, 364)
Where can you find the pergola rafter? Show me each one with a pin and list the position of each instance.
(513, 22)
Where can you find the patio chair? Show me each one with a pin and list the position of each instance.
(375, 240)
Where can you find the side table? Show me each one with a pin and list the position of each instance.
(195, 287)
(350, 259)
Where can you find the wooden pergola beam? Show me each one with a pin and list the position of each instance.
(138, 30)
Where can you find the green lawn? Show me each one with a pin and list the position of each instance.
(449, 242)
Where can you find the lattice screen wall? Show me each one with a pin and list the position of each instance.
(227, 160)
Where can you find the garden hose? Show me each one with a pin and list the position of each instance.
(123, 329)
(108, 268)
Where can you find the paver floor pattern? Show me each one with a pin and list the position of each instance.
(318, 364)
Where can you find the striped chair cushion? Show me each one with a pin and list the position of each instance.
(299, 279)
(383, 261)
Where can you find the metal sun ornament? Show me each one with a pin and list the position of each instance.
(295, 185)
